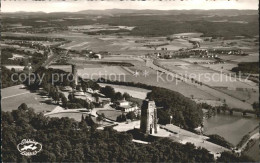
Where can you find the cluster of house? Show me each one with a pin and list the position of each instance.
(30, 29)
(227, 51)
(123, 105)
(196, 44)
(165, 55)
(88, 95)
(201, 53)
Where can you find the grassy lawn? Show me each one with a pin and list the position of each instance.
(13, 97)
(110, 114)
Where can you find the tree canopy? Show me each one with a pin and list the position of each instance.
(184, 111)
(66, 140)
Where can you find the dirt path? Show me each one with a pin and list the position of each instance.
(15, 95)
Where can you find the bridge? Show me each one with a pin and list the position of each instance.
(230, 111)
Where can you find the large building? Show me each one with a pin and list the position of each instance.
(149, 117)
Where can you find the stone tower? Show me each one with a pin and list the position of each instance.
(75, 74)
(148, 117)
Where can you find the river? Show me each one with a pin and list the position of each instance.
(231, 127)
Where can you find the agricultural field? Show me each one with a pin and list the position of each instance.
(247, 45)
(248, 95)
(21, 48)
(206, 76)
(95, 28)
(130, 48)
(253, 57)
(133, 91)
(113, 44)
(110, 72)
(152, 78)
(193, 35)
(172, 84)
(209, 63)
(13, 97)
(118, 58)
(177, 44)
(224, 67)
(157, 79)
(198, 60)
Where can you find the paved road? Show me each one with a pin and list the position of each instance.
(184, 136)
(255, 136)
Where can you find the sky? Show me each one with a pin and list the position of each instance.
(72, 6)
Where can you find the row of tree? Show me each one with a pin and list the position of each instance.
(109, 92)
(6, 79)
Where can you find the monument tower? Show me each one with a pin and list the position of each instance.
(148, 117)
(75, 74)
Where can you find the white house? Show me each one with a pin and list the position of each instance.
(126, 106)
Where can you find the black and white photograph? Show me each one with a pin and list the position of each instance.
(130, 81)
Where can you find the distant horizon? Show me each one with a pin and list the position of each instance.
(128, 9)
(77, 6)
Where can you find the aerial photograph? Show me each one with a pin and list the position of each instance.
(130, 81)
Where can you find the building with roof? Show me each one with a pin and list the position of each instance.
(126, 106)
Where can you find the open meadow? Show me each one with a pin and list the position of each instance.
(113, 44)
(76, 116)
(13, 97)
(252, 57)
(110, 114)
(110, 72)
(248, 95)
(206, 76)
(132, 91)
(247, 45)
